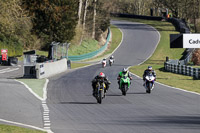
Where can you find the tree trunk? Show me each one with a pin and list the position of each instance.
(79, 12)
(84, 19)
(85, 14)
(94, 19)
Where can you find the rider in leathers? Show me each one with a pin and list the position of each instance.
(147, 71)
(122, 73)
(94, 82)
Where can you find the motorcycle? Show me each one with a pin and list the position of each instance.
(104, 63)
(149, 82)
(111, 61)
(100, 91)
(124, 84)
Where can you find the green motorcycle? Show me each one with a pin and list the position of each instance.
(124, 84)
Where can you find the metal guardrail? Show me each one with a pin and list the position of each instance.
(91, 54)
(182, 69)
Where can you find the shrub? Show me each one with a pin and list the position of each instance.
(196, 57)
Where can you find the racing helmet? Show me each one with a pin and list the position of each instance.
(150, 68)
(124, 70)
(101, 75)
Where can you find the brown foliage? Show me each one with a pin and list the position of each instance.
(196, 57)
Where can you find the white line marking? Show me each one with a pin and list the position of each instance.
(47, 124)
(10, 70)
(156, 81)
(169, 86)
(20, 124)
(45, 90)
(44, 105)
(36, 95)
(4, 69)
(46, 119)
(106, 56)
(156, 44)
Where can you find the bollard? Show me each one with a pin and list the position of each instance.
(69, 64)
(167, 59)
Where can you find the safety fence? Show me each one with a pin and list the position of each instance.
(91, 54)
(182, 69)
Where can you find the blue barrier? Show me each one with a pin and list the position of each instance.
(91, 54)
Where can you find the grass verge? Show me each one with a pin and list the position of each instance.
(15, 129)
(87, 46)
(116, 39)
(159, 56)
(35, 84)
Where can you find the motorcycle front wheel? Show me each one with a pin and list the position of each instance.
(124, 89)
(149, 86)
(99, 98)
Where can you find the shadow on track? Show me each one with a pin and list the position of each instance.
(78, 103)
(165, 121)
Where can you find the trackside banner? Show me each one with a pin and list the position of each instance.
(191, 40)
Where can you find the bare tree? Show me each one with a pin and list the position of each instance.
(84, 20)
(94, 19)
(79, 11)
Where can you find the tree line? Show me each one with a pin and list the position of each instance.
(188, 10)
(34, 24)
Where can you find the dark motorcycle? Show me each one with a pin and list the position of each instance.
(100, 87)
(111, 61)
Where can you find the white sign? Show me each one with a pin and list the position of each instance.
(42, 69)
(191, 40)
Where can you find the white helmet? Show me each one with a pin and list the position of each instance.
(124, 70)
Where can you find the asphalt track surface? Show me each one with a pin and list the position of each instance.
(73, 109)
(17, 104)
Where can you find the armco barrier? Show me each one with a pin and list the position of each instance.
(137, 16)
(182, 69)
(92, 54)
(44, 70)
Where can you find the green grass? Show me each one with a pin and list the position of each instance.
(87, 46)
(116, 39)
(14, 129)
(159, 56)
(35, 84)
(78, 65)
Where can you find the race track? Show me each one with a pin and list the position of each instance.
(73, 109)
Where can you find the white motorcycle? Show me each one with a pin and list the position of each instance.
(111, 61)
(149, 82)
(104, 63)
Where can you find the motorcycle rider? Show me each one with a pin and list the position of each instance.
(94, 82)
(112, 58)
(104, 59)
(122, 73)
(147, 71)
